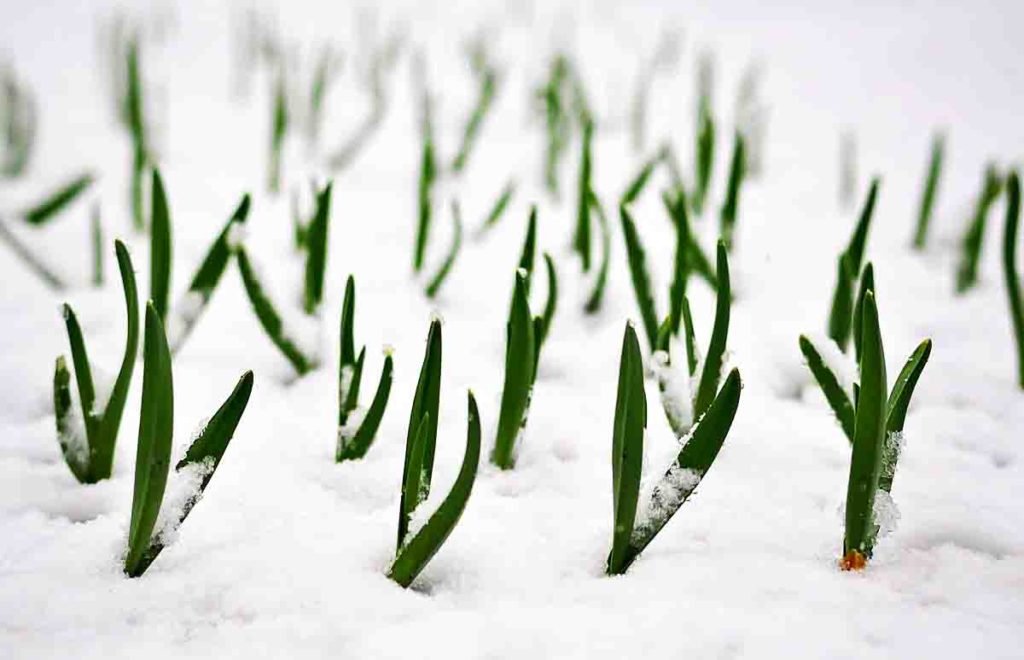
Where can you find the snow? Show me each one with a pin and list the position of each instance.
(348, 431)
(182, 493)
(664, 499)
(286, 555)
(673, 388)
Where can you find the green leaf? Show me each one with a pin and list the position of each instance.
(1010, 269)
(834, 393)
(357, 446)
(581, 236)
(712, 370)
(414, 555)
(638, 274)
(485, 98)
(869, 438)
(316, 255)
(896, 410)
(83, 372)
(424, 412)
(552, 302)
(67, 431)
(928, 192)
(453, 252)
(134, 107)
(278, 131)
(859, 239)
(519, 373)
(705, 156)
(50, 206)
(840, 316)
(156, 427)
(627, 449)
(971, 244)
(690, 467)
(639, 182)
(348, 314)
(680, 273)
(528, 255)
(593, 303)
(737, 169)
(867, 283)
(426, 184)
(498, 208)
(269, 317)
(691, 340)
(160, 248)
(349, 398)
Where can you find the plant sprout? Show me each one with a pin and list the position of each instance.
(1013, 280)
(929, 191)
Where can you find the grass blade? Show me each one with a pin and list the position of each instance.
(488, 86)
(519, 372)
(415, 554)
(1010, 269)
(424, 413)
(552, 302)
(931, 186)
(680, 273)
(160, 248)
(69, 434)
(278, 131)
(497, 211)
(867, 283)
(453, 252)
(692, 357)
(639, 182)
(593, 303)
(156, 425)
(34, 264)
(869, 438)
(268, 315)
(705, 156)
(712, 370)
(351, 447)
(316, 247)
(840, 316)
(50, 206)
(896, 412)
(627, 449)
(529, 253)
(690, 467)
(971, 244)
(737, 170)
(834, 393)
(426, 184)
(641, 279)
(581, 237)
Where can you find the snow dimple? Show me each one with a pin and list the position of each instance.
(666, 498)
(183, 491)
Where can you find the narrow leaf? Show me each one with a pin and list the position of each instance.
(834, 393)
(641, 279)
(519, 372)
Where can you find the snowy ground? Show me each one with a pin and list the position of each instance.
(285, 555)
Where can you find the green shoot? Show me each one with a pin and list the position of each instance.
(633, 530)
(680, 272)
(713, 361)
(641, 280)
(528, 255)
(593, 303)
(581, 236)
(497, 211)
(278, 131)
(928, 192)
(160, 248)
(60, 199)
(840, 322)
(453, 252)
(696, 261)
(356, 431)
(520, 353)
(326, 70)
(557, 120)
(205, 280)
(830, 386)
(316, 251)
(134, 112)
(970, 245)
(416, 551)
(422, 435)
(88, 444)
(639, 182)
(146, 539)
(428, 174)
(737, 170)
(704, 159)
(1013, 281)
(488, 81)
(552, 302)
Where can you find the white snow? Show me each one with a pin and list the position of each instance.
(351, 426)
(674, 389)
(286, 555)
(237, 235)
(663, 499)
(181, 494)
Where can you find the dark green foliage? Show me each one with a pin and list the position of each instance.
(134, 114)
(834, 393)
(581, 236)
(556, 119)
(704, 159)
(1013, 282)
(840, 323)
(453, 252)
(91, 457)
(680, 271)
(638, 274)
(152, 462)
(597, 292)
(528, 255)
(696, 262)
(278, 131)
(633, 533)
(970, 245)
(422, 435)
(50, 206)
(520, 353)
(316, 251)
(737, 170)
(160, 248)
(928, 192)
(414, 553)
(867, 283)
(639, 182)
(552, 302)
(869, 439)
(713, 361)
(498, 209)
(428, 173)
(354, 443)
(488, 81)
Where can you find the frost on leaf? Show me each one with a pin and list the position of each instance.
(183, 491)
(345, 382)
(894, 443)
(71, 436)
(885, 513)
(666, 498)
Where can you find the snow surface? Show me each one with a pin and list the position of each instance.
(285, 555)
